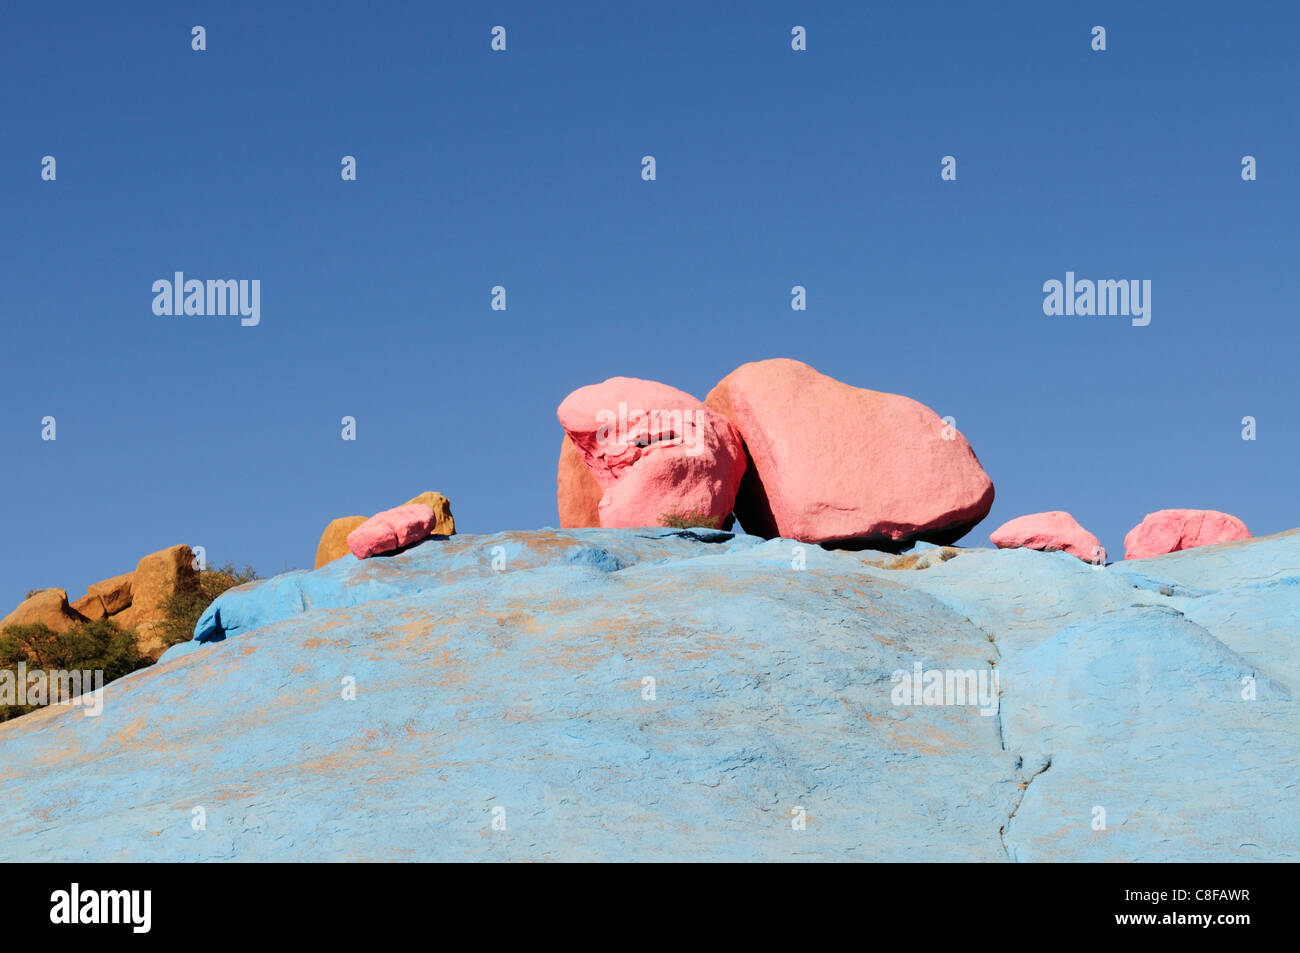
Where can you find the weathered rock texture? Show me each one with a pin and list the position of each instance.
(685, 695)
(831, 463)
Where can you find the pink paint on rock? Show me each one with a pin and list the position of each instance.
(391, 530)
(654, 450)
(836, 463)
(1169, 531)
(1052, 531)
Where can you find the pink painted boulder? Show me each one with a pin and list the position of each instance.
(1168, 531)
(392, 529)
(1050, 532)
(835, 463)
(655, 452)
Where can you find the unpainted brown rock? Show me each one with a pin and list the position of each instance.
(49, 607)
(334, 541)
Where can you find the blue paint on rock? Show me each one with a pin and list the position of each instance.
(691, 694)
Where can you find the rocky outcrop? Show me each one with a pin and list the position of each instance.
(1169, 531)
(577, 494)
(695, 695)
(135, 600)
(1049, 532)
(391, 530)
(832, 463)
(656, 452)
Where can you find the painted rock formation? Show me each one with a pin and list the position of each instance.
(391, 530)
(831, 463)
(1169, 531)
(666, 695)
(1049, 532)
(655, 451)
(334, 540)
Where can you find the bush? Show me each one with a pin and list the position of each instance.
(95, 646)
(677, 520)
(181, 611)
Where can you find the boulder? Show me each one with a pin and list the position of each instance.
(1168, 531)
(577, 494)
(655, 452)
(115, 593)
(92, 607)
(1049, 532)
(834, 463)
(49, 607)
(157, 577)
(443, 522)
(334, 541)
(391, 530)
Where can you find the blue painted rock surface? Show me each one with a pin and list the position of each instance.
(689, 695)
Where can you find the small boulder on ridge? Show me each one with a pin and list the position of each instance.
(1169, 531)
(1050, 532)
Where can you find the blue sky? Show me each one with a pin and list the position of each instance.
(522, 169)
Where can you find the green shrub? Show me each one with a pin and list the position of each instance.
(677, 520)
(181, 611)
(86, 646)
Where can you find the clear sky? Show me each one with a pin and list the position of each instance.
(523, 169)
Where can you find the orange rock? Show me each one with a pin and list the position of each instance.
(115, 593)
(444, 524)
(334, 541)
(92, 607)
(577, 494)
(157, 577)
(49, 607)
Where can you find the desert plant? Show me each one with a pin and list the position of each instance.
(678, 520)
(87, 646)
(182, 609)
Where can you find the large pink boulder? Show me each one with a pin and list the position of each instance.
(835, 463)
(1049, 532)
(1168, 531)
(656, 452)
(392, 529)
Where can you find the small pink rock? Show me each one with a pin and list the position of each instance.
(1168, 531)
(392, 529)
(654, 450)
(1049, 532)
